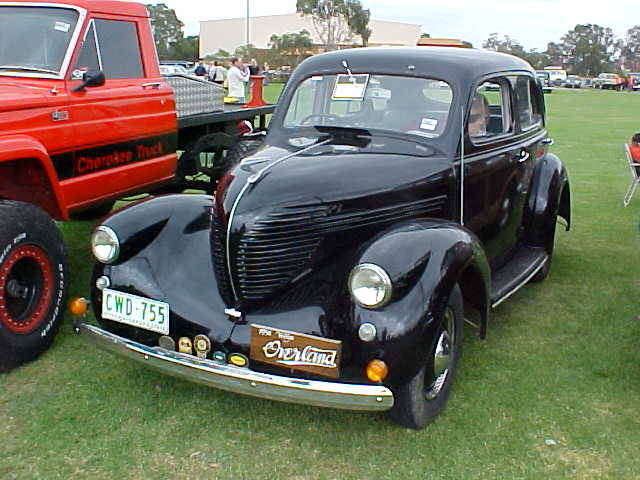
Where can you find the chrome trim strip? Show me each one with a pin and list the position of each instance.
(250, 181)
(82, 15)
(523, 283)
(243, 380)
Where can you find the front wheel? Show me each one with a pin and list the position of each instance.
(33, 276)
(419, 401)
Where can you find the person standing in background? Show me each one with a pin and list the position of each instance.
(237, 77)
(218, 73)
(200, 70)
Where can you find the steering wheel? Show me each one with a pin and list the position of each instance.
(329, 116)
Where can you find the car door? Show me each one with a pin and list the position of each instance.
(125, 129)
(495, 168)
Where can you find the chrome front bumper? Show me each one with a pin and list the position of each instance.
(242, 380)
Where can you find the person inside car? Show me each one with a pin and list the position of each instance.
(479, 116)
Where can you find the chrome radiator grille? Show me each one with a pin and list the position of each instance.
(278, 247)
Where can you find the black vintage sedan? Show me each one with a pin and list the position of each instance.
(395, 188)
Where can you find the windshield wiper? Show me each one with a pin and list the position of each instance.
(27, 69)
(358, 137)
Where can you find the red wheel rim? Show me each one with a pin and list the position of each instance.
(26, 289)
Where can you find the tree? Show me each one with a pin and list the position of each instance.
(297, 46)
(358, 20)
(185, 49)
(589, 49)
(247, 52)
(631, 49)
(166, 28)
(336, 21)
(508, 45)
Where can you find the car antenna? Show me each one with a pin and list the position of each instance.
(346, 66)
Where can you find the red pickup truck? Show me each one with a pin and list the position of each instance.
(85, 118)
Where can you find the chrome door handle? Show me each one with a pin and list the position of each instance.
(155, 85)
(547, 141)
(524, 156)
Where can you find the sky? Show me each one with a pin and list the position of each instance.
(533, 23)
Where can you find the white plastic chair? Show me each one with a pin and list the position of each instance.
(634, 173)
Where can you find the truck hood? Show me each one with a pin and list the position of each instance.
(304, 210)
(17, 96)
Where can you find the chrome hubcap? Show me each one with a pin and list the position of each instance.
(442, 356)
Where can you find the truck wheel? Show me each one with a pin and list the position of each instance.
(421, 399)
(243, 149)
(33, 272)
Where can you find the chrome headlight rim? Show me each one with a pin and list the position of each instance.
(115, 244)
(385, 280)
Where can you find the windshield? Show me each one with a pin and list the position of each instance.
(406, 105)
(35, 38)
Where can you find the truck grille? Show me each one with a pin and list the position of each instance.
(279, 247)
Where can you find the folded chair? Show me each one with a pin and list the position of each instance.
(635, 173)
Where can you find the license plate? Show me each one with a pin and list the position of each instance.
(298, 351)
(135, 311)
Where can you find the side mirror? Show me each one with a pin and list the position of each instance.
(92, 78)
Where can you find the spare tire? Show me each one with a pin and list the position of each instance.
(246, 146)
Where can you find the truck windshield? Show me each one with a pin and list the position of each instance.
(407, 105)
(35, 39)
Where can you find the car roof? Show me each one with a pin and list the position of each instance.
(439, 62)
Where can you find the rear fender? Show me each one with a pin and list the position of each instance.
(27, 175)
(424, 259)
(549, 196)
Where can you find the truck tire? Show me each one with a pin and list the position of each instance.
(33, 282)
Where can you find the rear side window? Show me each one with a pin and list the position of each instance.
(489, 115)
(527, 109)
(113, 47)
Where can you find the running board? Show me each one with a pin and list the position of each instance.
(516, 273)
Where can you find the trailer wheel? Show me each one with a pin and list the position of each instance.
(33, 275)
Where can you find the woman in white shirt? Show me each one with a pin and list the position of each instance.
(237, 76)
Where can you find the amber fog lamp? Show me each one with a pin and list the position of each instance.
(377, 370)
(79, 306)
(370, 285)
(105, 244)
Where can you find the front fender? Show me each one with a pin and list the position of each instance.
(425, 259)
(549, 196)
(166, 255)
(28, 174)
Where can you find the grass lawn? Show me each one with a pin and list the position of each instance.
(561, 363)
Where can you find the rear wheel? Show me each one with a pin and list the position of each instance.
(33, 277)
(421, 399)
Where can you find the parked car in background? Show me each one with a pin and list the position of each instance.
(332, 266)
(173, 70)
(633, 81)
(557, 76)
(545, 80)
(610, 81)
(573, 81)
(588, 82)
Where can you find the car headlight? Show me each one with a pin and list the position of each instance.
(105, 244)
(370, 285)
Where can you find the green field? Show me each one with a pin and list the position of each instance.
(554, 391)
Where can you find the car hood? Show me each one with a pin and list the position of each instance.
(15, 96)
(293, 213)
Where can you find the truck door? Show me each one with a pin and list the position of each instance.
(496, 166)
(126, 129)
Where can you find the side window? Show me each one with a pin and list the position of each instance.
(119, 49)
(489, 115)
(88, 58)
(527, 108)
